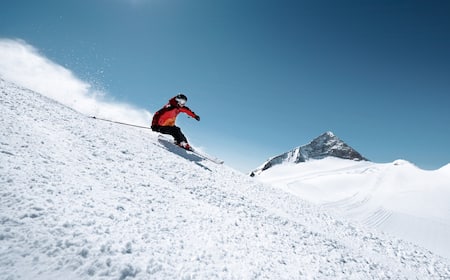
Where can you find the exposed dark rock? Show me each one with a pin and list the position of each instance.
(326, 145)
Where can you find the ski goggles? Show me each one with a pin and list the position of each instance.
(180, 101)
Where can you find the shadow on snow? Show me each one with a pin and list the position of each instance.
(182, 153)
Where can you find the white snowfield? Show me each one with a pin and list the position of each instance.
(86, 199)
(397, 198)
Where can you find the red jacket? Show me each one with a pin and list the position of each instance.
(168, 114)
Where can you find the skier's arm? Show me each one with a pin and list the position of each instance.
(190, 113)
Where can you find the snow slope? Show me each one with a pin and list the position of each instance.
(85, 199)
(397, 198)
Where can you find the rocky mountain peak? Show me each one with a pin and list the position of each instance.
(325, 145)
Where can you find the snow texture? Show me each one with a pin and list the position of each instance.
(398, 198)
(85, 199)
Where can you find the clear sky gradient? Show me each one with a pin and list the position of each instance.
(265, 76)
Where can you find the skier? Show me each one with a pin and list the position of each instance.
(164, 120)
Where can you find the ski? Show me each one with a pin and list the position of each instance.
(205, 156)
(191, 150)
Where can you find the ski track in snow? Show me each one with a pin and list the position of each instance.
(85, 199)
(397, 198)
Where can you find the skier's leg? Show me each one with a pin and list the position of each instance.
(167, 130)
(179, 136)
(175, 131)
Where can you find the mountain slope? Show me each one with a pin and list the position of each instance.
(84, 199)
(323, 146)
(397, 198)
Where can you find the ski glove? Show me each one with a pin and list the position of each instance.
(197, 117)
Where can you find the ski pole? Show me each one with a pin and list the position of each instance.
(122, 123)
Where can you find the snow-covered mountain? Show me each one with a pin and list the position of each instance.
(325, 145)
(86, 199)
(397, 198)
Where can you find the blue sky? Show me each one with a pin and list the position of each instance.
(265, 76)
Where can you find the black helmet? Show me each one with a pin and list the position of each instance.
(181, 99)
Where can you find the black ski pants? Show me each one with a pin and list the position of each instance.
(175, 131)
